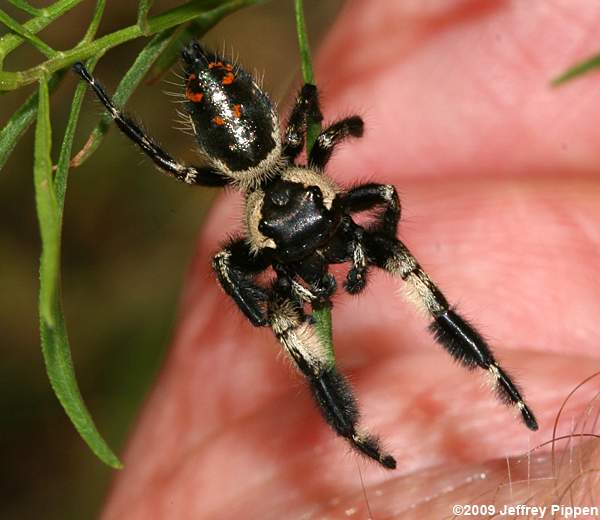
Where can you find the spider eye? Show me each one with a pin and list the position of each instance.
(315, 192)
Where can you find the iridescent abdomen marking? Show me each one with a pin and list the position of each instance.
(234, 121)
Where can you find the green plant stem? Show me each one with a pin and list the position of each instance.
(96, 19)
(10, 42)
(321, 313)
(192, 10)
(142, 18)
(26, 34)
(25, 7)
(172, 53)
(303, 45)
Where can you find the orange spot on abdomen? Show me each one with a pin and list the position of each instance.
(196, 97)
(228, 78)
(218, 121)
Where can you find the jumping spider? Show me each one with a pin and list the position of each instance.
(299, 222)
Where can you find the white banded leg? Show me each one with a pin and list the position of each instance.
(329, 387)
(449, 329)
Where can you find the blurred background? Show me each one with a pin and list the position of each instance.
(128, 237)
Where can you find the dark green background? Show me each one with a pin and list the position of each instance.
(129, 234)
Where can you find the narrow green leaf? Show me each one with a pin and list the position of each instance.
(203, 10)
(95, 22)
(173, 51)
(62, 168)
(53, 333)
(25, 7)
(321, 313)
(46, 206)
(578, 69)
(143, 10)
(59, 366)
(195, 29)
(21, 120)
(25, 33)
(10, 42)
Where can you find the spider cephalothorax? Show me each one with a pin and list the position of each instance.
(298, 223)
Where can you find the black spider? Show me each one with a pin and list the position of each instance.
(298, 222)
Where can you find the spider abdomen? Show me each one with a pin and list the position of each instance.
(234, 121)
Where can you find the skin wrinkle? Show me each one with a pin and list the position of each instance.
(228, 431)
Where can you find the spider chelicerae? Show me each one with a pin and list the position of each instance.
(298, 222)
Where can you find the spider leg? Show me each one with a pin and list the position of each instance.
(306, 111)
(235, 266)
(203, 176)
(370, 195)
(346, 246)
(362, 198)
(329, 138)
(329, 387)
(450, 330)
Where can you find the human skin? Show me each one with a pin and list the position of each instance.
(498, 177)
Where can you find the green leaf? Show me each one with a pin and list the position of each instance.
(62, 168)
(55, 343)
(46, 206)
(173, 51)
(577, 70)
(25, 7)
(59, 366)
(25, 33)
(21, 120)
(95, 22)
(10, 42)
(143, 10)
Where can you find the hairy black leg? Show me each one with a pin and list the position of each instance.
(190, 174)
(306, 111)
(363, 198)
(329, 387)
(313, 269)
(371, 195)
(329, 138)
(453, 332)
(235, 266)
(286, 283)
(356, 279)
